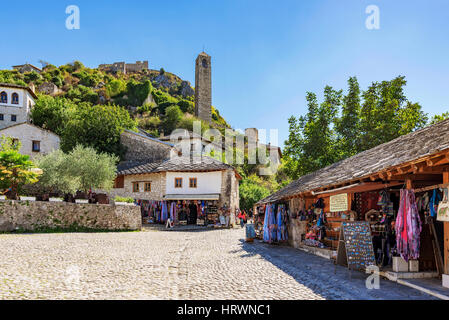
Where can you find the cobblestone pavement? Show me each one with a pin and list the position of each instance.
(212, 264)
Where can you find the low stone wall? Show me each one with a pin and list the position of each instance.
(39, 215)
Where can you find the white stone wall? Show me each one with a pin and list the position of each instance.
(21, 110)
(26, 133)
(207, 182)
(157, 187)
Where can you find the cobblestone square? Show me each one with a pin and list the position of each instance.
(152, 264)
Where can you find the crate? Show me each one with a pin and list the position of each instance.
(413, 265)
(400, 265)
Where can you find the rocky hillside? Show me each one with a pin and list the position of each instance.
(153, 97)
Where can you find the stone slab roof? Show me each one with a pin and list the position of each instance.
(410, 147)
(184, 164)
(17, 86)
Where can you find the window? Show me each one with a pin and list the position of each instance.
(15, 98)
(119, 182)
(135, 187)
(147, 187)
(178, 182)
(2, 117)
(36, 146)
(192, 182)
(15, 141)
(13, 118)
(3, 97)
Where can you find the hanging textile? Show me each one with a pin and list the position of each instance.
(281, 224)
(164, 212)
(408, 226)
(434, 201)
(269, 226)
(173, 212)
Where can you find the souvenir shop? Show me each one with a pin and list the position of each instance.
(180, 212)
(405, 234)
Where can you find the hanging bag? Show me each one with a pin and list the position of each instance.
(443, 207)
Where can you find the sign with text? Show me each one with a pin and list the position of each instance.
(339, 202)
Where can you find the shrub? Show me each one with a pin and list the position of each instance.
(124, 199)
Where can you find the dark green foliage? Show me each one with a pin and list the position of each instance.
(321, 138)
(172, 117)
(98, 127)
(187, 106)
(138, 92)
(52, 113)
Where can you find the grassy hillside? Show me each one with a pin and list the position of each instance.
(151, 97)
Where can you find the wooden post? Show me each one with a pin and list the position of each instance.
(446, 232)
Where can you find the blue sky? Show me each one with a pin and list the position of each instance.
(266, 54)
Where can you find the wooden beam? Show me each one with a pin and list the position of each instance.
(446, 232)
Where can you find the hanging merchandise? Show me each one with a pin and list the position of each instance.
(164, 212)
(434, 201)
(443, 207)
(321, 219)
(269, 226)
(173, 212)
(408, 226)
(281, 223)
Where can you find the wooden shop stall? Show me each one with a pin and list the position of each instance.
(365, 193)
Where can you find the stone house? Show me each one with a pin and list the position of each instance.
(34, 140)
(15, 104)
(27, 67)
(154, 170)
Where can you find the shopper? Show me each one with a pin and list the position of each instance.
(241, 217)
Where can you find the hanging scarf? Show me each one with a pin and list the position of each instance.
(408, 226)
(434, 201)
(269, 226)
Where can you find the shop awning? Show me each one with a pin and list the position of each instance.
(210, 196)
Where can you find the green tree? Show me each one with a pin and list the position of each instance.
(52, 113)
(16, 170)
(92, 169)
(56, 176)
(251, 190)
(348, 125)
(98, 127)
(321, 138)
(173, 116)
(439, 117)
(80, 170)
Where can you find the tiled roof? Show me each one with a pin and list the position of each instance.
(410, 147)
(17, 86)
(176, 164)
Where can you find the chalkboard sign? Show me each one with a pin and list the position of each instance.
(355, 248)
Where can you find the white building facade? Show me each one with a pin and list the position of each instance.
(34, 140)
(16, 103)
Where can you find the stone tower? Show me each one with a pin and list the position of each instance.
(203, 87)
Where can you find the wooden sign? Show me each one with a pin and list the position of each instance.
(355, 248)
(339, 202)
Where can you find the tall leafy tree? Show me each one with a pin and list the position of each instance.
(98, 127)
(348, 125)
(321, 137)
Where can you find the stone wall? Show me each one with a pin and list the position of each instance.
(157, 187)
(230, 192)
(37, 215)
(141, 148)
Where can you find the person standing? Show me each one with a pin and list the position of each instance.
(241, 216)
